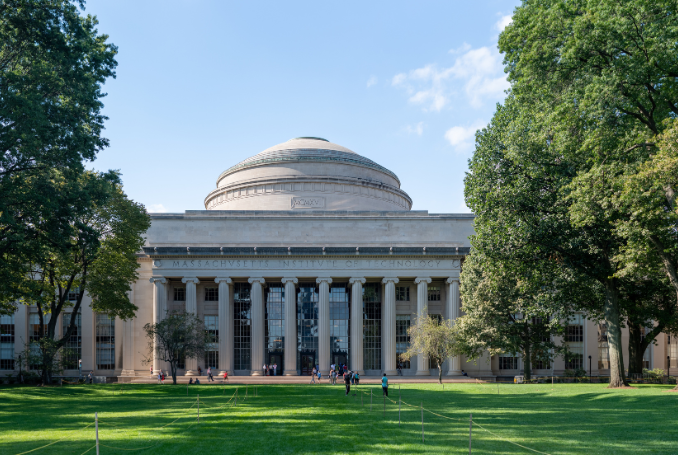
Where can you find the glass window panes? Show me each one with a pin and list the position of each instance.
(434, 293)
(73, 294)
(307, 327)
(73, 348)
(242, 327)
(35, 332)
(275, 326)
(372, 326)
(211, 294)
(212, 348)
(340, 324)
(402, 338)
(180, 294)
(105, 342)
(508, 362)
(7, 331)
(603, 348)
(402, 293)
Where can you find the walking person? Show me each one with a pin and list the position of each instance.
(313, 376)
(162, 376)
(319, 375)
(151, 372)
(91, 377)
(209, 374)
(275, 369)
(159, 376)
(199, 371)
(347, 381)
(384, 384)
(356, 376)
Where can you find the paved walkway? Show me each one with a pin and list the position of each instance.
(306, 379)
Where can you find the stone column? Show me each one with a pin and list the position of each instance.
(453, 363)
(159, 297)
(290, 367)
(191, 308)
(388, 321)
(257, 341)
(357, 324)
(225, 326)
(422, 310)
(324, 324)
(128, 342)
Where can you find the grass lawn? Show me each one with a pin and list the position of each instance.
(571, 418)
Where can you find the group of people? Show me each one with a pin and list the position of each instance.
(271, 370)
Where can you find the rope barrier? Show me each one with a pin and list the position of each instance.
(51, 443)
(509, 441)
(88, 449)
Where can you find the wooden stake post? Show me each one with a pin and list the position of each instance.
(96, 428)
(470, 430)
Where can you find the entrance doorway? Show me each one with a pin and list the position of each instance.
(307, 364)
(276, 359)
(340, 359)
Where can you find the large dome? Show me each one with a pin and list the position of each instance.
(308, 173)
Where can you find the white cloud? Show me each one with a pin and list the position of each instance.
(463, 48)
(417, 129)
(372, 81)
(503, 22)
(478, 73)
(156, 208)
(462, 138)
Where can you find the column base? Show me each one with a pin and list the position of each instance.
(290, 373)
(221, 373)
(191, 373)
(256, 373)
(360, 372)
(453, 373)
(391, 373)
(128, 373)
(423, 373)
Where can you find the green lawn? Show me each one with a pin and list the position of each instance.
(571, 418)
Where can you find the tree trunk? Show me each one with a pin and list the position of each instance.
(614, 337)
(636, 349)
(173, 367)
(527, 361)
(440, 373)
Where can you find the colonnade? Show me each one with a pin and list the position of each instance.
(323, 354)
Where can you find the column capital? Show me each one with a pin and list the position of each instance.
(160, 279)
(324, 279)
(390, 280)
(190, 279)
(452, 280)
(256, 280)
(357, 280)
(290, 280)
(422, 280)
(221, 279)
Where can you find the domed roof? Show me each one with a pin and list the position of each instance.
(306, 149)
(308, 173)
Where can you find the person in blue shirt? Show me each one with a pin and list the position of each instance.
(384, 384)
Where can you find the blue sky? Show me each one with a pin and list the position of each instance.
(202, 85)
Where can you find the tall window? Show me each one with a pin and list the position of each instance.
(242, 327)
(73, 294)
(275, 325)
(340, 324)
(180, 294)
(73, 347)
(434, 293)
(603, 348)
(7, 342)
(672, 347)
(211, 294)
(105, 340)
(372, 326)
(35, 333)
(508, 362)
(575, 343)
(212, 348)
(438, 318)
(307, 327)
(402, 293)
(402, 338)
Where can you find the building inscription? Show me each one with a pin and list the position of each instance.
(308, 202)
(305, 264)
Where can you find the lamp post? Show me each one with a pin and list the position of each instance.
(589, 368)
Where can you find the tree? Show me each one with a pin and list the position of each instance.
(53, 64)
(592, 82)
(433, 338)
(97, 257)
(177, 336)
(514, 308)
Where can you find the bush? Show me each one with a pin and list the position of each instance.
(670, 380)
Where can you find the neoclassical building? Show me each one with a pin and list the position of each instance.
(306, 253)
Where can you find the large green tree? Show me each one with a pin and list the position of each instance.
(53, 63)
(592, 83)
(97, 258)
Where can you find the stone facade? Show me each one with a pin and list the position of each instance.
(307, 254)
